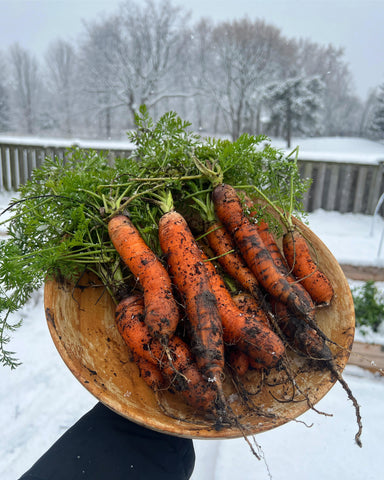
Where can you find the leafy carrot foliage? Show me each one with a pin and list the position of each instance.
(58, 223)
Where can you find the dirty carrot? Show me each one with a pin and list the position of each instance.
(271, 244)
(238, 361)
(161, 311)
(230, 212)
(181, 372)
(246, 332)
(249, 305)
(189, 275)
(266, 235)
(277, 256)
(303, 338)
(151, 374)
(299, 258)
(224, 248)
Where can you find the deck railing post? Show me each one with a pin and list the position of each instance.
(343, 186)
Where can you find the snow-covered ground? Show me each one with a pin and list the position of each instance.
(337, 149)
(41, 399)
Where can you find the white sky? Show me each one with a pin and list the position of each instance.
(356, 25)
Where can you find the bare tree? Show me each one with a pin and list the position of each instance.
(62, 81)
(129, 59)
(341, 107)
(4, 96)
(203, 110)
(27, 89)
(216, 75)
(244, 55)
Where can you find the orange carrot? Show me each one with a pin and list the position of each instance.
(161, 312)
(151, 374)
(249, 305)
(181, 371)
(270, 242)
(306, 337)
(266, 235)
(300, 335)
(280, 261)
(229, 210)
(189, 275)
(238, 361)
(246, 332)
(304, 268)
(224, 248)
(277, 256)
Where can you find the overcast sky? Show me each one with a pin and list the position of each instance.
(355, 25)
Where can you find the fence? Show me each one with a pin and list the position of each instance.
(340, 186)
(19, 159)
(344, 187)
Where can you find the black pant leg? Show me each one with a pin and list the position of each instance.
(102, 445)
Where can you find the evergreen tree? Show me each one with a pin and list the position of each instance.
(377, 122)
(294, 106)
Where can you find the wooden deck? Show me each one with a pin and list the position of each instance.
(368, 356)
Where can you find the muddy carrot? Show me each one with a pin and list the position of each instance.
(151, 374)
(161, 312)
(304, 268)
(303, 338)
(189, 274)
(238, 361)
(249, 305)
(230, 212)
(266, 235)
(271, 244)
(181, 370)
(246, 332)
(224, 248)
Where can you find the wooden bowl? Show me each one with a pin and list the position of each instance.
(81, 323)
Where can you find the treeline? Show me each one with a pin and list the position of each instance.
(225, 78)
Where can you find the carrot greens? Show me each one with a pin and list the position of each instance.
(58, 224)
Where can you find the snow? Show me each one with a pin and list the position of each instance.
(337, 149)
(328, 149)
(53, 142)
(354, 239)
(41, 399)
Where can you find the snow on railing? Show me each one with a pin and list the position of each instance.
(20, 155)
(338, 184)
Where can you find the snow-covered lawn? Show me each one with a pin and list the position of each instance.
(337, 149)
(41, 399)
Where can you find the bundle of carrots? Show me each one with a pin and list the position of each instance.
(184, 323)
(180, 235)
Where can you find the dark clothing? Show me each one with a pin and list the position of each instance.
(102, 445)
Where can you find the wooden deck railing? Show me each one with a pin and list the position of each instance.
(19, 159)
(344, 187)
